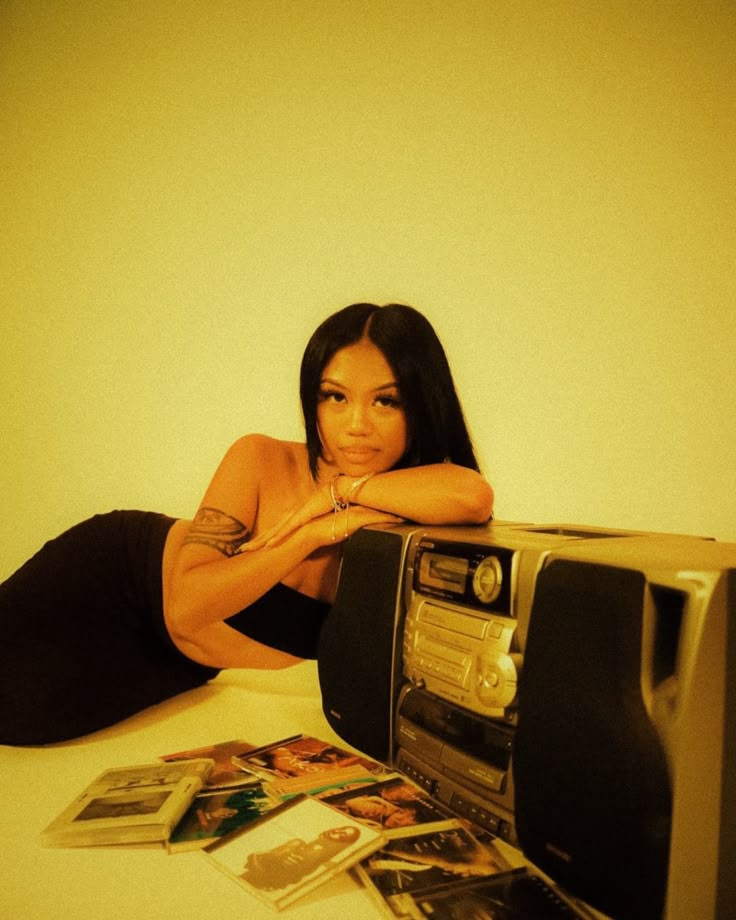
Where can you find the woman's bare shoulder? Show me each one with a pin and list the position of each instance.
(263, 448)
(281, 468)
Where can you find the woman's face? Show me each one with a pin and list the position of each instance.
(361, 421)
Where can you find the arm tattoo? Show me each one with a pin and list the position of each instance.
(221, 531)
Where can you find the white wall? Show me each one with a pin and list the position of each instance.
(188, 188)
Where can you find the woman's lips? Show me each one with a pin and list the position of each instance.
(358, 454)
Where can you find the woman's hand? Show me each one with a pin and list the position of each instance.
(318, 505)
(336, 527)
(325, 526)
(440, 493)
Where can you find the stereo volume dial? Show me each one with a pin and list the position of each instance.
(496, 679)
(487, 579)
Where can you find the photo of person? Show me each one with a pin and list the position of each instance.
(292, 850)
(214, 815)
(391, 804)
(292, 861)
(301, 756)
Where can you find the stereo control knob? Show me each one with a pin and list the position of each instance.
(496, 680)
(487, 579)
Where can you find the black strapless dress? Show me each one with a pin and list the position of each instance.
(83, 643)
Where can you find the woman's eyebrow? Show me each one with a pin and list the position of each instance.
(393, 385)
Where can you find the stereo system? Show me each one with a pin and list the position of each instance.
(569, 688)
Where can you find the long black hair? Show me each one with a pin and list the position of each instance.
(435, 422)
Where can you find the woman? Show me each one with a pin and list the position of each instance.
(130, 608)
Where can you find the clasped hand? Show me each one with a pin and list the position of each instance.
(326, 524)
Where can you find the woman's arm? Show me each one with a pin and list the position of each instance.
(208, 587)
(440, 493)
(220, 646)
(202, 596)
(211, 579)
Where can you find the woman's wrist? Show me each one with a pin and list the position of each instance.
(338, 502)
(345, 489)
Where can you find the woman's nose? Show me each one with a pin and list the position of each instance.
(358, 422)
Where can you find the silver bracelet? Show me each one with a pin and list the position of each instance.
(357, 485)
(338, 504)
(343, 504)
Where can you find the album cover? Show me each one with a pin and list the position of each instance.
(394, 805)
(321, 784)
(136, 804)
(517, 895)
(300, 755)
(214, 815)
(225, 773)
(295, 848)
(427, 860)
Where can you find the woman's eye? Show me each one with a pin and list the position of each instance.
(331, 396)
(388, 402)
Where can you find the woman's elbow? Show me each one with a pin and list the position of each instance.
(480, 503)
(180, 616)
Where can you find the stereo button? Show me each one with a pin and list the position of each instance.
(487, 579)
(495, 629)
(496, 680)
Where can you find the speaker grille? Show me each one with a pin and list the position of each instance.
(592, 793)
(356, 651)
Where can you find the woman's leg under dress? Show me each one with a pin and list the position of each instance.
(82, 639)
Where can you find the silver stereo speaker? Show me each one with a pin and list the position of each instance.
(625, 749)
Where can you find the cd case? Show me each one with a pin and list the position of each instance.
(295, 848)
(302, 755)
(136, 804)
(516, 895)
(215, 814)
(225, 774)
